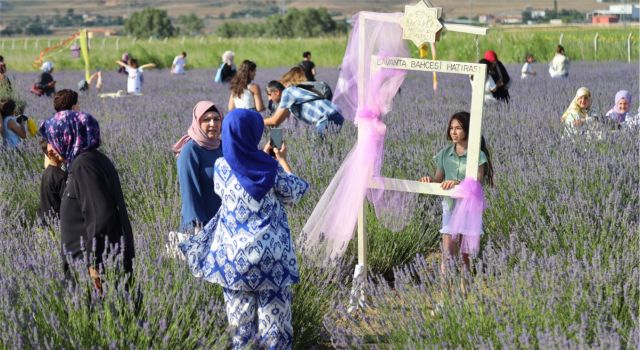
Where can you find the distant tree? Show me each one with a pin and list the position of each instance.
(190, 24)
(309, 22)
(150, 22)
(36, 28)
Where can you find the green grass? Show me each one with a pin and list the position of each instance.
(205, 52)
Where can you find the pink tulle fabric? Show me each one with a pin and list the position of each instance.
(332, 222)
(466, 218)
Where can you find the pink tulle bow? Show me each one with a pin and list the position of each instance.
(466, 218)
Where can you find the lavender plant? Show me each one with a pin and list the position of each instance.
(558, 267)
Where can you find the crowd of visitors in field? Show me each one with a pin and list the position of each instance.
(229, 186)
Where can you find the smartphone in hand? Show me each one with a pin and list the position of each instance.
(275, 136)
(21, 118)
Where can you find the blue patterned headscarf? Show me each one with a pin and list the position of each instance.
(70, 133)
(255, 170)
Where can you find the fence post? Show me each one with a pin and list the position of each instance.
(36, 44)
(561, 37)
(595, 45)
(3, 44)
(26, 42)
(118, 44)
(49, 43)
(103, 41)
(13, 44)
(182, 41)
(134, 41)
(629, 48)
(165, 40)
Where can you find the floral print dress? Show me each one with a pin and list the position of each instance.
(247, 245)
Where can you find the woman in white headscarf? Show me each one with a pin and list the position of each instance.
(579, 112)
(45, 85)
(228, 69)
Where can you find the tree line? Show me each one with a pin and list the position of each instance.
(310, 22)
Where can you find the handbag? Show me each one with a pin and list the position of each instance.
(36, 90)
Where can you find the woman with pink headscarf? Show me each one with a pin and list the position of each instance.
(620, 111)
(197, 152)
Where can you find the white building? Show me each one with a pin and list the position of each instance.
(538, 14)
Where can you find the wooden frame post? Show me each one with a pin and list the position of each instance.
(477, 71)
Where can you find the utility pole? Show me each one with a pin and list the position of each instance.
(283, 7)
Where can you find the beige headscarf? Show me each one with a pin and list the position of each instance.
(575, 108)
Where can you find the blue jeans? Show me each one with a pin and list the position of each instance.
(333, 119)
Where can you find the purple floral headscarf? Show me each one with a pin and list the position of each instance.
(70, 133)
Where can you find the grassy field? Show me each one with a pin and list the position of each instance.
(204, 52)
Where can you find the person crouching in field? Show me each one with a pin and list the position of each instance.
(45, 85)
(52, 184)
(252, 222)
(244, 93)
(579, 113)
(306, 104)
(527, 68)
(227, 70)
(500, 75)
(274, 93)
(619, 113)
(451, 167)
(93, 213)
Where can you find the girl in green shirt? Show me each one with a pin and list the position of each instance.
(451, 166)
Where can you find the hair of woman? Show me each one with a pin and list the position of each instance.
(463, 118)
(294, 76)
(242, 78)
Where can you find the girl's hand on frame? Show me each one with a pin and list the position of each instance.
(448, 184)
(425, 179)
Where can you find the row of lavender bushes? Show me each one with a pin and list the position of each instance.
(558, 267)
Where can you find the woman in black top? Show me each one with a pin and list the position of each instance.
(45, 84)
(500, 75)
(93, 212)
(228, 68)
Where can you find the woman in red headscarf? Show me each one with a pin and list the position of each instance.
(500, 75)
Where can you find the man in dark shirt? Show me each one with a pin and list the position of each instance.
(308, 66)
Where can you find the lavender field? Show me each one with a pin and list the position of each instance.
(559, 262)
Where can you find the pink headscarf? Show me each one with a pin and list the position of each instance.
(195, 132)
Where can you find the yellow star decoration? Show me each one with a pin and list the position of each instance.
(421, 23)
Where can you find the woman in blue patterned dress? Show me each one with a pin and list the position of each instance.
(247, 247)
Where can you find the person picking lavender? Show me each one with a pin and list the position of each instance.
(451, 166)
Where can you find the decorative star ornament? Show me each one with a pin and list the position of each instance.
(421, 23)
